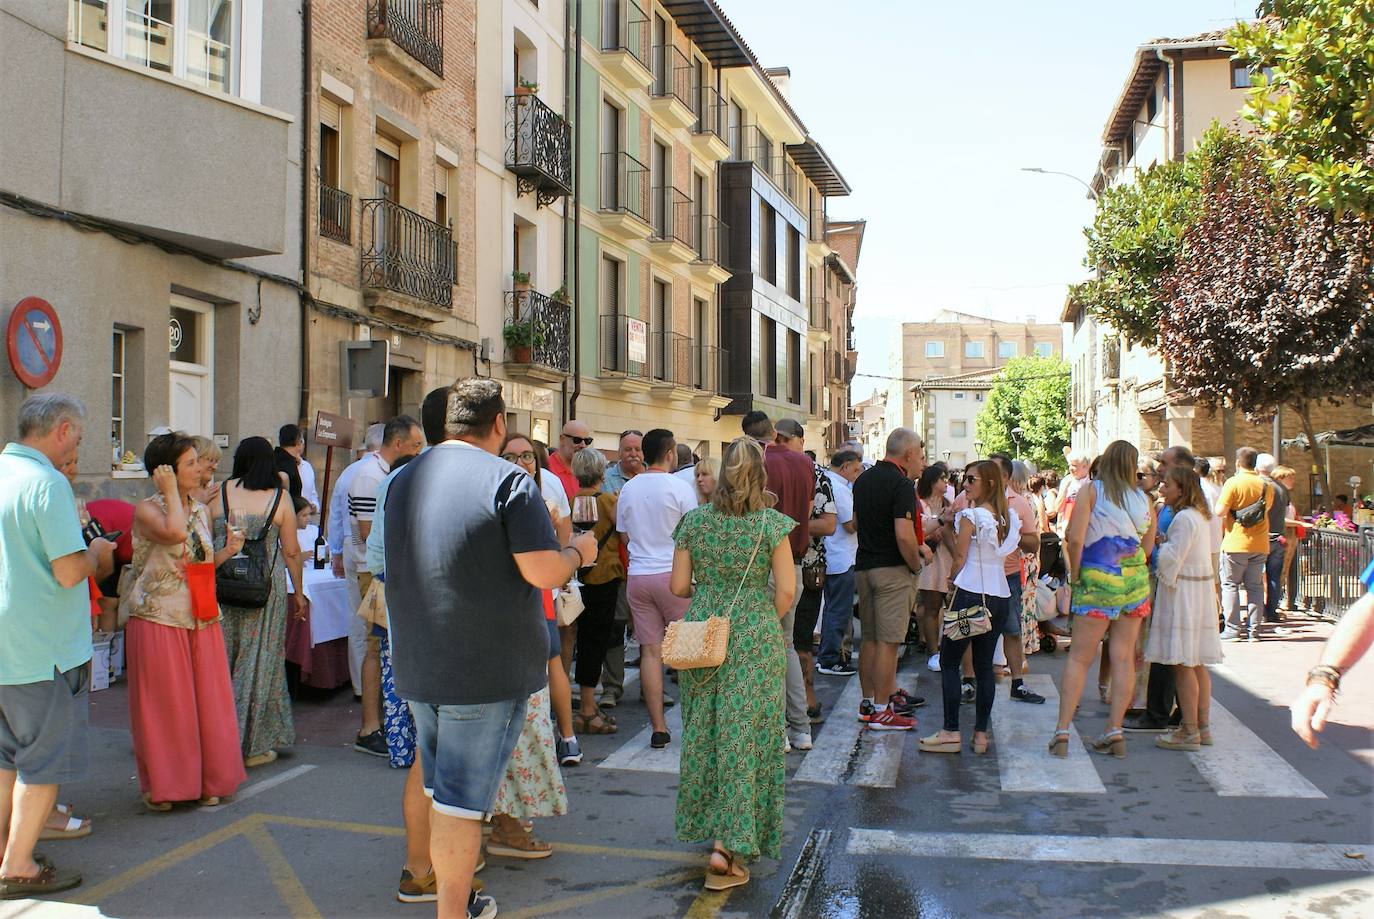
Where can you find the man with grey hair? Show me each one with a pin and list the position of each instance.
(1080, 461)
(45, 635)
(891, 552)
(338, 536)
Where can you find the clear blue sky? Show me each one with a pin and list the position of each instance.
(931, 109)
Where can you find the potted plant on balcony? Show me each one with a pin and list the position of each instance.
(521, 340)
(521, 281)
(561, 295)
(524, 89)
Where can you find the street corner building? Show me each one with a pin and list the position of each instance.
(150, 192)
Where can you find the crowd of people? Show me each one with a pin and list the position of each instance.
(819, 569)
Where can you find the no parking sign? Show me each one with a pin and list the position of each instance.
(33, 339)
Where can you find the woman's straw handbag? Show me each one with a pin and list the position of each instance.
(691, 645)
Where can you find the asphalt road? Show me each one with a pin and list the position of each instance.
(1258, 825)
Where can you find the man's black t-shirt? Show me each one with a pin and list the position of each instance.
(882, 496)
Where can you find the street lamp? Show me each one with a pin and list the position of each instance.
(1016, 436)
(978, 447)
(1092, 195)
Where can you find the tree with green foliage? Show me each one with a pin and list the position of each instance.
(1312, 96)
(1137, 233)
(1030, 393)
(1270, 301)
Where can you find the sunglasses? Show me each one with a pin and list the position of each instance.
(625, 434)
(579, 441)
(526, 456)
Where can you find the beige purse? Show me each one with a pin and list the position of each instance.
(692, 645)
(568, 605)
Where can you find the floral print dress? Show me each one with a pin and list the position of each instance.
(732, 767)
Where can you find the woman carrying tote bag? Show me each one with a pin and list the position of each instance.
(985, 534)
(732, 772)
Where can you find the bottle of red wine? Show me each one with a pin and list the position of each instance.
(321, 552)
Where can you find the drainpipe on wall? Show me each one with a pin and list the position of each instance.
(305, 209)
(577, 209)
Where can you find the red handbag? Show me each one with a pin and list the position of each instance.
(200, 578)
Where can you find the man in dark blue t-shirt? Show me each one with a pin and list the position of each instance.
(469, 547)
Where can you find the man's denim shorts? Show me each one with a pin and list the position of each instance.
(1013, 626)
(464, 750)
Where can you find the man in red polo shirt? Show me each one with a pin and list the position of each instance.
(792, 480)
(575, 436)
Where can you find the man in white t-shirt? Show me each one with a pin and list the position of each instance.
(650, 506)
(841, 547)
(1079, 465)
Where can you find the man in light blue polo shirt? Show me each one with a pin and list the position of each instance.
(45, 635)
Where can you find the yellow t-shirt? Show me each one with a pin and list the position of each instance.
(1241, 490)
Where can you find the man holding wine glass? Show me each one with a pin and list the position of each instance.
(574, 437)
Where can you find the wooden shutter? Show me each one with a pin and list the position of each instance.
(330, 114)
(388, 146)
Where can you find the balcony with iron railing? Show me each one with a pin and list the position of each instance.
(537, 334)
(818, 405)
(747, 144)
(837, 368)
(336, 214)
(710, 242)
(671, 90)
(820, 314)
(671, 217)
(708, 131)
(408, 261)
(671, 365)
(625, 193)
(625, 43)
(538, 149)
(624, 347)
(815, 226)
(406, 38)
(709, 364)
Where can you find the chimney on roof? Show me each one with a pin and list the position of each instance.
(782, 79)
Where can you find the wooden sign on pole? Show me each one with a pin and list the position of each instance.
(331, 431)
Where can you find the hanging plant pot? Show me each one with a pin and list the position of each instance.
(521, 354)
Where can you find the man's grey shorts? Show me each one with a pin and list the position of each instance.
(43, 728)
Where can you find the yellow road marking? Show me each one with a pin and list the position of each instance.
(341, 825)
(569, 904)
(122, 882)
(287, 882)
(708, 904)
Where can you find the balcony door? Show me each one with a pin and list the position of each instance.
(663, 83)
(386, 220)
(699, 211)
(611, 122)
(661, 325)
(662, 180)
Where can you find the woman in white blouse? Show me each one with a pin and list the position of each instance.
(985, 534)
(1183, 631)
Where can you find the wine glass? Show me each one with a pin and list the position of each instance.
(585, 513)
(238, 525)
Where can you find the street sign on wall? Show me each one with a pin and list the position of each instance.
(33, 339)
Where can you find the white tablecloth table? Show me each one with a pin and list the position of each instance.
(331, 610)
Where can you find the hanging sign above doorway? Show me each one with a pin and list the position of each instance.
(33, 339)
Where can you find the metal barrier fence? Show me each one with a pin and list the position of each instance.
(1329, 565)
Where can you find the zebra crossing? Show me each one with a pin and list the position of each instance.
(1240, 764)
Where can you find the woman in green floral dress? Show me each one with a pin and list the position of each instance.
(732, 772)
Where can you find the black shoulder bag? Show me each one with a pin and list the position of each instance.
(246, 581)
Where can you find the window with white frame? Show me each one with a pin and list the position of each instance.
(958, 427)
(1006, 349)
(935, 349)
(117, 364)
(1044, 349)
(958, 395)
(200, 41)
(973, 349)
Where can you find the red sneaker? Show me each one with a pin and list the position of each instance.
(888, 720)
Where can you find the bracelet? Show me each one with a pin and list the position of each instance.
(573, 549)
(1325, 674)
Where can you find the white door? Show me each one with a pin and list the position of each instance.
(190, 365)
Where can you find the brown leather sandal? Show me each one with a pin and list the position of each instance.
(596, 724)
(49, 879)
(522, 845)
(727, 879)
